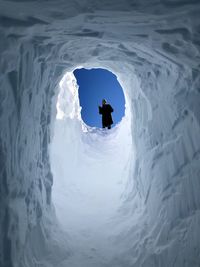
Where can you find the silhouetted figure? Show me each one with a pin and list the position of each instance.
(106, 111)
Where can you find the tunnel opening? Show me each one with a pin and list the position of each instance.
(80, 94)
(94, 85)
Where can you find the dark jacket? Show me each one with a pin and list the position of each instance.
(106, 111)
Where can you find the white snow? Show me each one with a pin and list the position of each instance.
(56, 206)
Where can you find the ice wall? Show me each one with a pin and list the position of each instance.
(26, 179)
(153, 46)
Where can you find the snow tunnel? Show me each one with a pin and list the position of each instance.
(75, 196)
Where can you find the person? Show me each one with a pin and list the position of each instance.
(106, 111)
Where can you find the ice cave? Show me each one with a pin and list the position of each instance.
(72, 195)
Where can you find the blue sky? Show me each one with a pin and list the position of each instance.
(94, 85)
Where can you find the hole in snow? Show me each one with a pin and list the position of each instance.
(95, 85)
(107, 85)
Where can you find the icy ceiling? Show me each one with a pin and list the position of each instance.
(152, 218)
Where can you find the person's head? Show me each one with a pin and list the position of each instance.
(104, 102)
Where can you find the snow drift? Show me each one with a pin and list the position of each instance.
(148, 213)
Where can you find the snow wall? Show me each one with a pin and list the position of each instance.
(153, 48)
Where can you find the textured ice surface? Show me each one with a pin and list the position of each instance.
(153, 47)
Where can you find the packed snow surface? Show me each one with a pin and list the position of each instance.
(75, 196)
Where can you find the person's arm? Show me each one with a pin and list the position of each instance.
(100, 110)
(111, 109)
